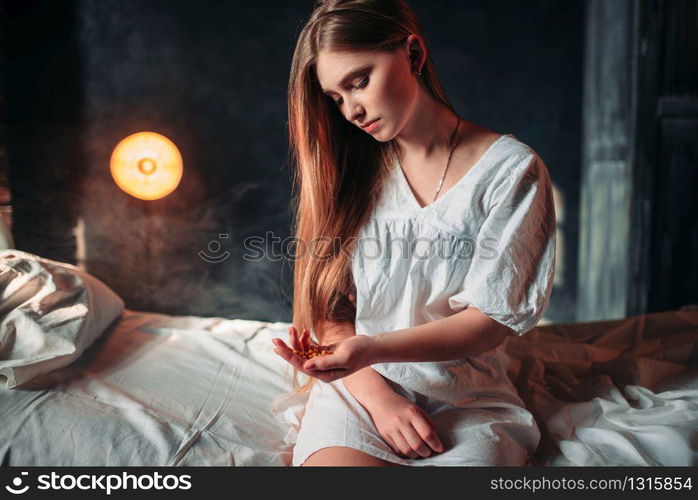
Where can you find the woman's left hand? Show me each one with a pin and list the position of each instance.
(346, 356)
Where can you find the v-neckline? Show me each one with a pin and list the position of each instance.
(405, 185)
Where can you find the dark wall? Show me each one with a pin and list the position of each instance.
(5, 207)
(674, 277)
(43, 100)
(212, 77)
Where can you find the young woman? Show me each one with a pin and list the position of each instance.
(424, 241)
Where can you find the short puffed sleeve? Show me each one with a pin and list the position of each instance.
(510, 277)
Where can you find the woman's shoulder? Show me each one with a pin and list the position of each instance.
(507, 155)
(503, 149)
(508, 160)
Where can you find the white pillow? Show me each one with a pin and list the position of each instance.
(50, 312)
(6, 240)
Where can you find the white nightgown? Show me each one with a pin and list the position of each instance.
(487, 242)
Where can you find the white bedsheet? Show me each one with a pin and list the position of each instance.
(183, 390)
(156, 390)
(621, 392)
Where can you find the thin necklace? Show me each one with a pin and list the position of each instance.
(448, 162)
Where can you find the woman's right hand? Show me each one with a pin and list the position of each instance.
(405, 426)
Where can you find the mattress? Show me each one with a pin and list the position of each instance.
(159, 389)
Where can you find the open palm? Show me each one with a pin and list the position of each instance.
(346, 356)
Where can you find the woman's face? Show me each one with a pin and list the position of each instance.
(370, 87)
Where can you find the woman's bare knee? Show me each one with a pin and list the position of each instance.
(342, 456)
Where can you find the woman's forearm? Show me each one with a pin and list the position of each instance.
(466, 333)
(366, 385)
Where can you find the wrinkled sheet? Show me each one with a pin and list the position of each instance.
(619, 392)
(155, 390)
(184, 390)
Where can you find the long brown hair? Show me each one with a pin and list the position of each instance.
(340, 170)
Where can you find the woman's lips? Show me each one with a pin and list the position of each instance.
(372, 125)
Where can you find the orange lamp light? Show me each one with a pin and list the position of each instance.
(146, 165)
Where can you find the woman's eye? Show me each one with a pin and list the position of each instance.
(362, 83)
(357, 86)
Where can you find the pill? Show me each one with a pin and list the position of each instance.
(311, 352)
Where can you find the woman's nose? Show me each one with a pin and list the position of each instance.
(355, 113)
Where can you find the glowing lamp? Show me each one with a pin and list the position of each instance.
(146, 165)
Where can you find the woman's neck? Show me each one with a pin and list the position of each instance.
(427, 134)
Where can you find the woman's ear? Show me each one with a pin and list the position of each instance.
(416, 53)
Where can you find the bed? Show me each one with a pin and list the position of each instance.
(164, 390)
